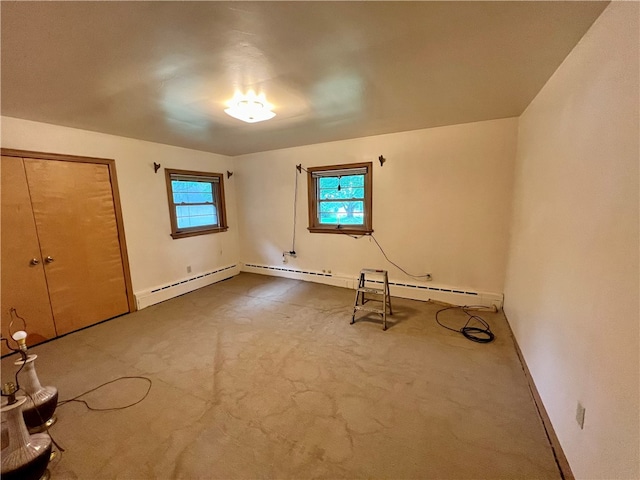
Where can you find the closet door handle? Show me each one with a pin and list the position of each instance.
(34, 261)
(49, 259)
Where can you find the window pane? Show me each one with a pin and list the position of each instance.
(195, 210)
(330, 206)
(200, 210)
(343, 193)
(352, 181)
(355, 219)
(201, 197)
(341, 213)
(192, 197)
(204, 221)
(351, 213)
(202, 187)
(184, 222)
(327, 193)
(351, 207)
(180, 197)
(182, 212)
(346, 207)
(328, 182)
(184, 186)
(177, 186)
(328, 219)
(348, 187)
(196, 215)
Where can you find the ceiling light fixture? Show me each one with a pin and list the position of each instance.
(250, 108)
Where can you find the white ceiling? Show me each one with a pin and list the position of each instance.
(163, 71)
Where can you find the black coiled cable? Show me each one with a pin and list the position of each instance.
(481, 334)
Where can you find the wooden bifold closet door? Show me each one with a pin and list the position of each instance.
(77, 246)
(24, 286)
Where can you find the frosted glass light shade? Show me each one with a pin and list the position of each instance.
(250, 108)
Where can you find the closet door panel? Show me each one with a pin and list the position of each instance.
(76, 223)
(23, 281)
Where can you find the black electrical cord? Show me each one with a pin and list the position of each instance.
(299, 169)
(426, 275)
(292, 252)
(475, 334)
(42, 422)
(295, 214)
(23, 355)
(94, 409)
(18, 388)
(13, 312)
(358, 237)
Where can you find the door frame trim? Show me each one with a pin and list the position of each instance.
(111, 164)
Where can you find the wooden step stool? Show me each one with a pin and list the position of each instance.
(365, 287)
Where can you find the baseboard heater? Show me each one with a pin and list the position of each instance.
(293, 270)
(159, 294)
(415, 291)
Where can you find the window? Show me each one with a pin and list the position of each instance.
(340, 198)
(196, 203)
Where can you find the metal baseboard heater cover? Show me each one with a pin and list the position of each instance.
(456, 296)
(165, 292)
(191, 279)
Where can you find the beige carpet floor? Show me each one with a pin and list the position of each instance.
(261, 377)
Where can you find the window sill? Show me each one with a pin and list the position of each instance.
(342, 230)
(193, 233)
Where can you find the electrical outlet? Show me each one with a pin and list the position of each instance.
(580, 415)
(188, 268)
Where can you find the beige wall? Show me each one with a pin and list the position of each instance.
(572, 285)
(441, 204)
(155, 258)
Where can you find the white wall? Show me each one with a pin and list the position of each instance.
(572, 285)
(441, 204)
(155, 258)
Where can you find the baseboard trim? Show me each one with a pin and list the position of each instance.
(403, 289)
(158, 294)
(556, 447)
